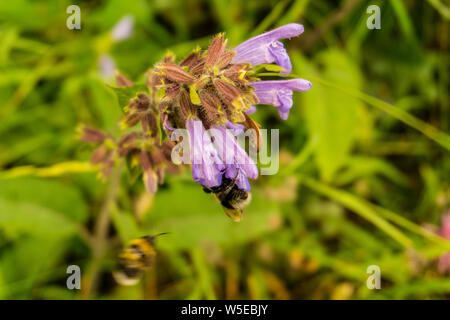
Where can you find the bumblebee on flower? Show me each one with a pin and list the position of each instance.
(218, 89)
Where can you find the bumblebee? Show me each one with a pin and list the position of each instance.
(135, 259)
(232, 199)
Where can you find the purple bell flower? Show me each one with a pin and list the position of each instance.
(279, 93)
(123, 29)
(207, 167)
(237, 162)
(266, 48)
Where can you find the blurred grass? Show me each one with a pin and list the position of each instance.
(364, 159)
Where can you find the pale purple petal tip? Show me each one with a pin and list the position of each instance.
(106, 66)
(206, 164)
(242, 183)
(291, 84)
(251, 110)
(237, 128)
(232, 172)
(279, 93)
(280, 56)
(123, 29)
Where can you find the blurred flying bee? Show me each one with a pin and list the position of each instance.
(135, 259)
(232, 199)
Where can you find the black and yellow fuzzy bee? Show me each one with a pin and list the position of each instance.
(232, 199)
(135, 259)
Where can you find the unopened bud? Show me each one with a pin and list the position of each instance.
(99, 155)
(175, 73)
(123, 81)
(149, 124)
(228, 91)
(130, 120)
(92, 135)
(225, 59)
(215, 50)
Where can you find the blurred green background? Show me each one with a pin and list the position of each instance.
(364, 156)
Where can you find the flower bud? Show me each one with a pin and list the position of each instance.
(215, 50)
(150, 124)
(130, 120)
(123, 81)
(92, 135)
(175, 73)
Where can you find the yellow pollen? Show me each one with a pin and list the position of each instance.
(216, 71)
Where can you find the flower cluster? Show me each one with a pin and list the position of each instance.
(218, 88)
(212, 90)
(139, 147)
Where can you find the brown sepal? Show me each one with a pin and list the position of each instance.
(176, 73)
(225, 59)
(92, 135)
(150, 124)
(215, 50)
(226, 90)
(123, 81)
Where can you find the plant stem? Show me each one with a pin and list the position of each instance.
(101, 227)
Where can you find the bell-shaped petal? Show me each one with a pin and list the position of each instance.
(237, 128)
(207, 166)
(279, 93)
(123, 29)
(236, 172)
(232, 153)
(266, 48)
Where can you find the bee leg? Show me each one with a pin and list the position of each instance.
(207, 190)
(233, 183)
(225, 190)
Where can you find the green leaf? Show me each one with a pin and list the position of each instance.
(125, 94)
(19, 217)
(359, 206)
(267, 67)
(126, 226)
(278, 10)
(428, 130)
(404, 20)
(29, 261)
(360, 166)
(52, 194)
(104, 102)
(331, 116)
